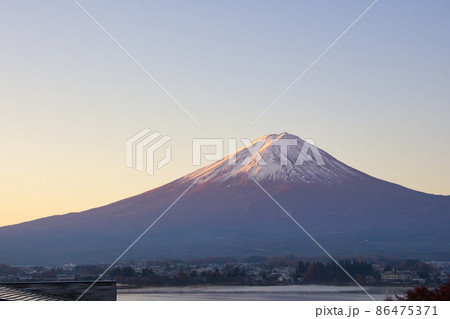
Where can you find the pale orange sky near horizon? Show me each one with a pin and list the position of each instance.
(378, 100)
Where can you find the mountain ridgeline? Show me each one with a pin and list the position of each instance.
(226, 213)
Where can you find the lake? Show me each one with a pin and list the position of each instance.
(279, 293)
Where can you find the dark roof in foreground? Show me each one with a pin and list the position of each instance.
(14, 294)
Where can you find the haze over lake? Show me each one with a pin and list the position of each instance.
(252, 293)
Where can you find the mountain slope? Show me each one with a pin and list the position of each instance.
(226, 213)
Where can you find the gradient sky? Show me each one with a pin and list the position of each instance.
(378, 100)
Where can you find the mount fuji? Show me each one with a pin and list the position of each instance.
(224, 212)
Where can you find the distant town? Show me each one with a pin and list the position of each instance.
(281, 270)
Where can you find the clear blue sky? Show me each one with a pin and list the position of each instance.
(378, 100)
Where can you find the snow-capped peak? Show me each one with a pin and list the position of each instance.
(277, 157)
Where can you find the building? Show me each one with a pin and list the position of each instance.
(14, 294)
(104, 290)
(401, 277)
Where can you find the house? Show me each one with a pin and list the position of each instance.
(401, 277)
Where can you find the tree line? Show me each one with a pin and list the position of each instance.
(331, 273)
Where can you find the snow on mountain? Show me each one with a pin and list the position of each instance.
(277, 157)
